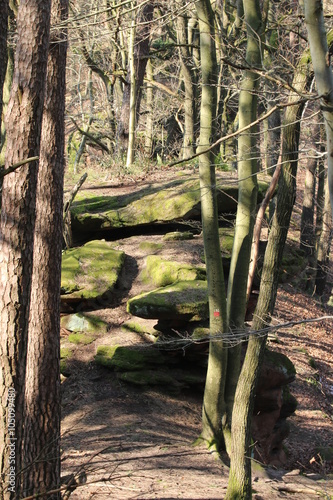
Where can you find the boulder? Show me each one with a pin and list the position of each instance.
(90, 272)
(178, 200)
(82, 322)
(184, 301)
(273, 405)
(162, 272)
(125, 358)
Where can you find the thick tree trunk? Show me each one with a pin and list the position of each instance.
(213, 402)
(42, 395)
(23, 125)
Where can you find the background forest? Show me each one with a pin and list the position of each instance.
(122, 90)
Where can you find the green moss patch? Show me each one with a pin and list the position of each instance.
(90, 271)
(81, 338)
(150, 247)
(125, 358)
(65, 352)
(135, 327)
(163, 272)
(65, 355)
(200, 333)
(185, 300)
(226, 240)
(178, 236)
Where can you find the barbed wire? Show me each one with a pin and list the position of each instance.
(230, 339)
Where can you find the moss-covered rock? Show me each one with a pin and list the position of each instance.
(127, 358)
(80, 322)
(65, 352)
(162, 272)
(200, 333)
(150, 247)
(277, 370)
(184, 300)
(90, 271)
(179, 199)
(81, 338)
(166, 202)
(136, 327)
(65, 355)
(226, 240)
(178, 236)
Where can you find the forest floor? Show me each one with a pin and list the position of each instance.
(122, 442)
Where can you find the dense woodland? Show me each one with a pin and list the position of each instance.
(131, 87)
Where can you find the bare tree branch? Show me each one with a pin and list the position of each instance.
(12, 168)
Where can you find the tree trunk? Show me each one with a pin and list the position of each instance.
(213, 401)
(132, 103)
(307, 219)
(42, 391)
(247, 201)
(239, 486)
(150, 106)
(23, 125)
(323, 245)
(188, 75)
(3, 47)
(8, 75)
(314, 20)
(141, 56)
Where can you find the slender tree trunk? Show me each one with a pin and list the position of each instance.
(141, 56)
(323, 245)
(314, 20)
(42, 392)
(213, 402)
(247, 201)
(132, 103)
(86, 127)
(307, 219)
(150, 106)
(239, 486)
(23, 125)
(3, 47)
(188, 75)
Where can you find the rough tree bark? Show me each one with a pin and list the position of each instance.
(3, 47)
(23, 125)
(42, 389)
